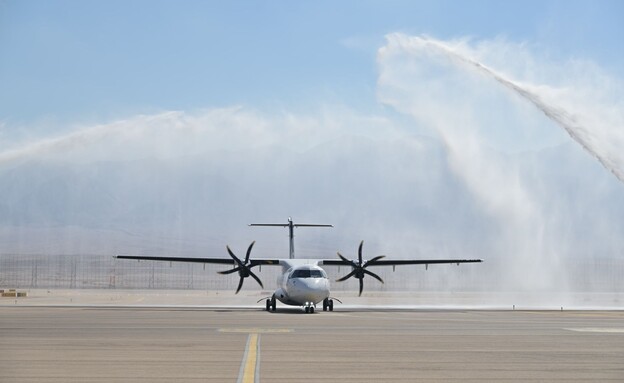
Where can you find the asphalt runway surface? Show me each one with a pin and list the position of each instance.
(120, 344)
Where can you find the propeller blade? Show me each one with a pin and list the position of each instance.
(359, 268)
(254, 276)
(373, 260)
(240, 284)
(230, 271)
(377, 277)
(360, 252)
(346, 276)
(249, 252)
(347, 260)
(244, 269)
(234, 257)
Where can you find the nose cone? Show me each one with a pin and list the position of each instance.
(309, 289)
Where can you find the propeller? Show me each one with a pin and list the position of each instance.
(359, 268)
(243, 268)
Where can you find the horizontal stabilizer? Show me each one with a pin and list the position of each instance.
(294, 224)
(291, 226)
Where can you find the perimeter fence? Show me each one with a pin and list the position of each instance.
(92, 271)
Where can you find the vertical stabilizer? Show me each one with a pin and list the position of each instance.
(291, 232)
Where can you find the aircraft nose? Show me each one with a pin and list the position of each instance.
(318, 286)
(312, 289)
(315, 283)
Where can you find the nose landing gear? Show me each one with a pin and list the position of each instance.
(309, 308)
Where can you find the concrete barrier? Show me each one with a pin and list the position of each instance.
(12, 293)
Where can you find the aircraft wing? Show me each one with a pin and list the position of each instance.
(359, 266)
(276, 261)
(397, 262)
(221, 261)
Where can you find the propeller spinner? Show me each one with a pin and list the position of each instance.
(359, 268)
(243, 268)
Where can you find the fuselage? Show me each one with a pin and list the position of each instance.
(301, 283)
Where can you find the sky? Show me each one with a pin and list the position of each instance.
(481, 128)
(73, 62)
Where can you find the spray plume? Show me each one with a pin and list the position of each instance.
(583, 135)
(446, 89)
(512, 225)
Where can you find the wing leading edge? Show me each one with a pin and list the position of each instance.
(397, 262)
(220, 261)
(276, 261)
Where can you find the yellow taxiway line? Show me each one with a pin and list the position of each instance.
(250, 365)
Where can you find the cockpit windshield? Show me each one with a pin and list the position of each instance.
(307, 273)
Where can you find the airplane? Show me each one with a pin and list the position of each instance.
(303, 282)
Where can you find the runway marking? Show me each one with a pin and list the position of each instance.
(597, 329)
(251, 361)
(256, 330)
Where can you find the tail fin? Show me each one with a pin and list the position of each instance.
(291, 225)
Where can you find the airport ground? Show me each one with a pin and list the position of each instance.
(119, 343)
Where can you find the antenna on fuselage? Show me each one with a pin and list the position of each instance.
(291, 235)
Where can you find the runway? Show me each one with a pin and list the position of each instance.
(120, 344)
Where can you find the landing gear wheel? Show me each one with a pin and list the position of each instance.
(273, 304)
(325, 304)
(307, 309)
(268, 305)
(330, 305)
(311, 309)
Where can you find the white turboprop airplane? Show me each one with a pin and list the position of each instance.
(302, 282)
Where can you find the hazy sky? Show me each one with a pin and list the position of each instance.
(166, 118)
(86, 62)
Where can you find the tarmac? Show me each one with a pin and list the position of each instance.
(65, 337)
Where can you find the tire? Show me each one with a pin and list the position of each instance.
(268, 305)
(307, 309)
(330, 304)
(325, 304)
(311, 309)
(273, 304)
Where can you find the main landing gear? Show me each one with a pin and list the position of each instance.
(328, 304)
(270, 304)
